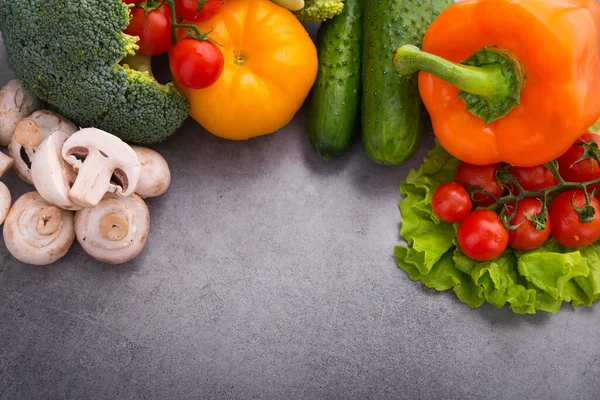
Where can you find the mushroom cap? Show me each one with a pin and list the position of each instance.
(115, 231)
(29, 133)
(104, 164)
(6, 163)
(15, 104)
(5, 201)
(36, 232)
(155, 176)
(51, 175)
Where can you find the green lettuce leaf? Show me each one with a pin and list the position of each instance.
(526, 282)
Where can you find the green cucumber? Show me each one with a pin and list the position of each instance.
(392, 112)
(333, 107)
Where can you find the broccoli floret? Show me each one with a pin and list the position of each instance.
(320, 10)
(67, 53)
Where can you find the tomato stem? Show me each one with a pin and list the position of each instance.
(509, 181)
(193, 31)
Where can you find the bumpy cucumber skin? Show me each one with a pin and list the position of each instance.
(392, 112)
(333, 107)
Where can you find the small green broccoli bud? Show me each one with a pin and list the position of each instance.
(320, 10)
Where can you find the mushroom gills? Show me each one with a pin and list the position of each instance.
(104, 164)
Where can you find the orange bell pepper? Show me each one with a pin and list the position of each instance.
(514, 81)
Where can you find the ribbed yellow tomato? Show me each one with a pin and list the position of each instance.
(270, 66)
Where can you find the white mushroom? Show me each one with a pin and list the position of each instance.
(29, 133)
(36, 232)
(51, 175)
(155, 176)
(15, 104)
(104, 164)
(115, 231)
(5, 201)
(5, 163)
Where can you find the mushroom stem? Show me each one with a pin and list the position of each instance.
(28, 134)
(93, 180)
(5, 163)
(114, 227)
(48, 221)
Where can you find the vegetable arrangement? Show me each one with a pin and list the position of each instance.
(387, 106)
(89, 185)
(528, 276)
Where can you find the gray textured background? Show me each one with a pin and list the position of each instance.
(269, 274)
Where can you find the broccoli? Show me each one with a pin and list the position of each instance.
(320, 10)
(68, 52)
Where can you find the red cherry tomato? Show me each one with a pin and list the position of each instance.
(153, 30)
(567, 227)
(481, 235)
(482, 176)
(533, 178)
(527, 236)
(451, 202)
(196, 64)
(188, 9)
(583, 171)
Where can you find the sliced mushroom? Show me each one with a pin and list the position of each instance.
(5, 201)
(115, 231)
(155, 176)
(16, 103)
(5, 163)
(51, 175)
(36, 232)
(29, 133)
(104, 164)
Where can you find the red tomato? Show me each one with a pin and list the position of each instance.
(451, 202)
(196, 64)
(481, 235)
(482, 176)
(188, 9)
(582, 171)
(533, 178)
(567, 227)
(153, 30)
(527, 236)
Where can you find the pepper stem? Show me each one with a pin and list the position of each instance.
(490, 80)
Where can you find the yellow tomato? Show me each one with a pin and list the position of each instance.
(270, 66)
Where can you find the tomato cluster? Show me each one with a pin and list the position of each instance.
(196, 63)
(523, 222)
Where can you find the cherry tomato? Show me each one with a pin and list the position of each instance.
(527, 236)
(196, 64)
(481, 235)
(582, 171)
(482, 176)
(451, 202)
(567, 227)
(188, 9)
(153, 30)
(533, 178)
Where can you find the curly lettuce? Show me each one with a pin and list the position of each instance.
(526, 282)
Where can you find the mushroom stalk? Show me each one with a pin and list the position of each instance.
(15, 104)
(93, 180)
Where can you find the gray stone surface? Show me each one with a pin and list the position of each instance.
(269, 274)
